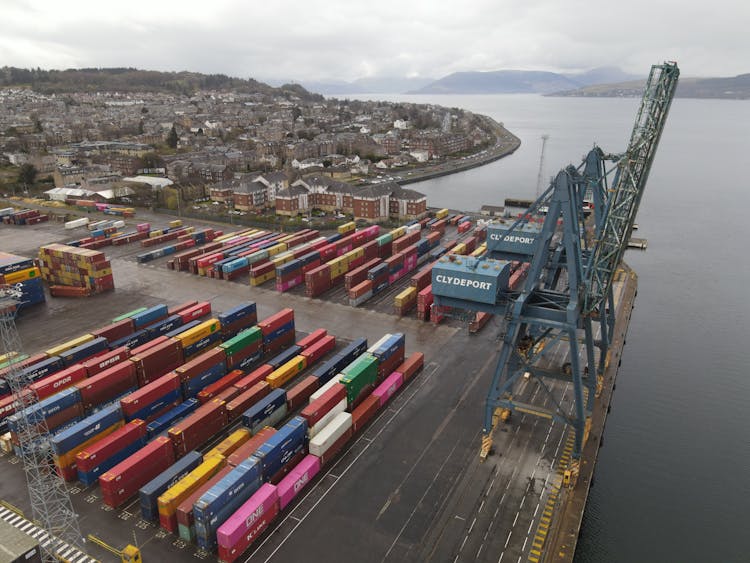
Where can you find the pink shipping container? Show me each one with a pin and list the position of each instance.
(244, 526)
(289, 284)
(290, 486)
(390, 385)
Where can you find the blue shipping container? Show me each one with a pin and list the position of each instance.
(84, 351)
(152, 490)
(279, 332)
(165, 421)
(46, 407)
(183, 328)
(132, 340)
(192, 387)
(43, 368)
(174, 396)
(275, 452)
(272, 406)
(64, 441)
(164, 326)
(149, 316)
(389, 347)
(237, 313)
(224, 498)
(202, 344)
(288, 354)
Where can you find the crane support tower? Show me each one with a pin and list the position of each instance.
(50, 502)
(570, 258)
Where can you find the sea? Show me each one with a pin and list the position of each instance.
(673, 479)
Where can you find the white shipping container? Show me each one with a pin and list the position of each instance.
(326, 387)
(327, 417)
(332, 432)
(6, 211)
(377, 345)
(357, 301)
(77, 223)
(413, 228)
(118, 224)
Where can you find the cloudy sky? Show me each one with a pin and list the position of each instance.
(349, 39)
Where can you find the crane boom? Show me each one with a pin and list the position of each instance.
(632, 172)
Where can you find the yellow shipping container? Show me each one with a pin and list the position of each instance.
(8, 356)
(173, 497)
(406, 296)
(23, 275)
(65, 346)
(481, 249)
(230, 444)
(287, 238)
(441, 214)
(282, 259)
(255, 281)
(276, 249)
(175, 223)
(399, 232)
(197, 332)
(155, 233)
(347, 228)
(68, 458)
(280, 376)
(354, 254)
(458, 249)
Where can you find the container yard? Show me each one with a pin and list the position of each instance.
(166, 408)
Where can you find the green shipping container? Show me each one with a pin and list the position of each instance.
(13, 360)
(186, 533)
(356, 376)
(384, 239)
(242, 340)
(128, 315)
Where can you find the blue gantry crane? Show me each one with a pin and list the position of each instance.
(569, 254)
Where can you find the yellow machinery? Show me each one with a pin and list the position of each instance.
(130, 554)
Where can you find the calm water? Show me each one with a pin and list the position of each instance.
(673, 480)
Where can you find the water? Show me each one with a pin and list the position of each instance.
(673, 479)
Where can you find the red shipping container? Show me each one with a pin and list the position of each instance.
(320, 406)
(69, 473)
(64, 416)
(108, 384)
(254, 377)
(276, 321)
(124, 479)
(99, 363)
(195, 312)
(227, 395)
(184, 512)
(319, 349)
(389, 366)
(300, 393)
(58, 381)
(148, 345)
(88, 458)
(7, 405)
(218, 386)
(157, 361)
(371, 250)
(115, 331)
(201, 363)
(312, 338)
(199, 427)
(411, 365)
(363, 413)
(361, 288)
(248, 448)
(149, 393)
(331, 453)
(280, 342)
(358, 275)
(181, 307)
(247, 399)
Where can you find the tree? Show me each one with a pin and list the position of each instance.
(27, 174)
(172, 138)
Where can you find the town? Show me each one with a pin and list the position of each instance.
(275, 154)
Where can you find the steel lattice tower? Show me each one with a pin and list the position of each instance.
(50, 502)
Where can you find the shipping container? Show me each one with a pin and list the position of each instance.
(254, 377)
(149, 493)
(364, 412)
(250, 520)
(324, 440)
(63, 442)
(282, 446)
(184, 511)
(223, 499)
(201, 363)
(297, 479)
(321, 405)
(298, 395)
(329, 369)
(165, 421)
(51, 384)
(152, 398)
(107, 385)
(317, 350)
(358, 376)
(388, 387)
(198, 427)
(412, 365)
(157, 361)
(212, 390)
(327, 417)
(249, 447)
(91, 457)
(99, 363)
(230, 444)
(123, 481)
(266, 412)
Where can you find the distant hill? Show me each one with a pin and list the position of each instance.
(499, 82)
(372, 85)
(135, 80)
(736, 88)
